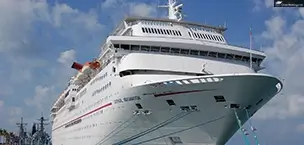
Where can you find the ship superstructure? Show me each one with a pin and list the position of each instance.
(162, 81)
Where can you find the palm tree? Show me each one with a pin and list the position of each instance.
(1, 132)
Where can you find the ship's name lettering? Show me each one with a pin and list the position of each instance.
(118, 101)
(127, 99)
(131, 98)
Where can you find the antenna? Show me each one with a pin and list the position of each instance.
(174, 10)
(250, 48)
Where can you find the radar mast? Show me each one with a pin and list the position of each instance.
(174, 10)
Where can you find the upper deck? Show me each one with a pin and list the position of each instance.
(139, 26)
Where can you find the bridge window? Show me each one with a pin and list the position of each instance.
(194, 52)
(175, 50)
(238, 57)
(145, 48)
(135, 47)
(184, 51)
(189, 52)
(155, 48)
(203, 53)
(229, 56)
(221, 55)
(165, 49)
(125, 47)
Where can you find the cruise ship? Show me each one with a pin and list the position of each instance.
(162, 82)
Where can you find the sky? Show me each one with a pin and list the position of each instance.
(39, 40)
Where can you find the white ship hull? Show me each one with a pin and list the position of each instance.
(211, 124)
(161, 82)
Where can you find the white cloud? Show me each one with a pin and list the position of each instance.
(42, 96)
(65, 16)
(269, 3)
(15, 111)
(130, 8)
(142, 9)
(1, 103)
(285, 57)
(301, 10)
(300, 128)
(67, 57)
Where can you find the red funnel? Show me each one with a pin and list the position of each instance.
(77, 66)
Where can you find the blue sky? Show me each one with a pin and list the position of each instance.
(40, 39)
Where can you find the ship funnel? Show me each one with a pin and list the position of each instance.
(77, 66)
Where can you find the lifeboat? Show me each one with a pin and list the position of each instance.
(77, 82)
(86, 69)
(81, 76)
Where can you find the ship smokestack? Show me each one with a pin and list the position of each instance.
(77, 66)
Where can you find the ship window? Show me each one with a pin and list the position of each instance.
(165, 49)
(203, 53)
(174, 32)
(168, 33)
(155, 48)
(212, 37)
(161, 31)
(180, 34)
(219, 99)
(238, 57)
(114, 69)
(193, 52)
(216, 37)
(245, 58)
(205, 36)
(189, 34)
(212, 54)
(154, 30)
(259, 60)
(116, 45)
(175, 50)
(195, 35)
(184, 51)
(229, 56)
(254, 60)
(125, 47)
(221, 55)
(149, 30)
(170, 102)
(145, 48)
(135, 47)
(209, 37)
(158, 31)
(143, 30)
(73, 99)
(139, 106)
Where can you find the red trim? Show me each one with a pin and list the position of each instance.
(181, 92)
(101, 107)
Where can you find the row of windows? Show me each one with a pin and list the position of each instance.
(181, 51)
(106, 86)
(202, 29)
(161, 31)
(92, 106)
(99, 78)
(207, 36)
(156, 23)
